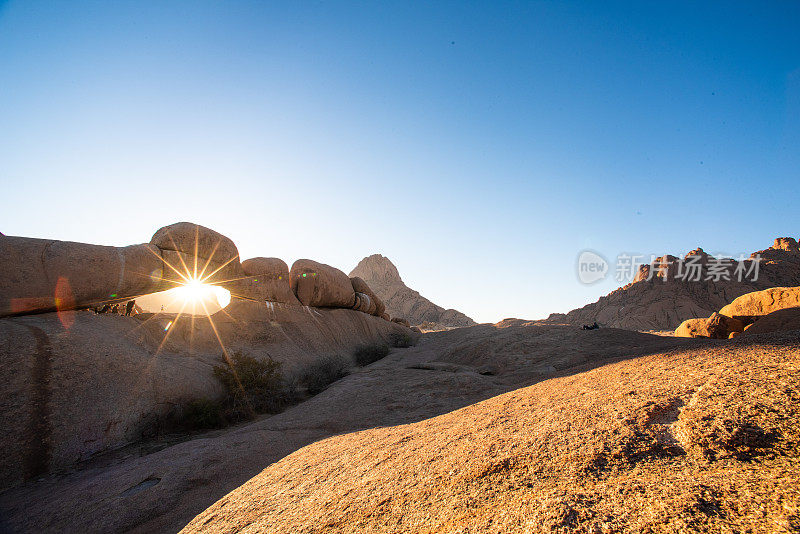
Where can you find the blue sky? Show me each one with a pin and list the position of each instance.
(480, 146)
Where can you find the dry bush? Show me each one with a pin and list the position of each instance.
(251, 386)
(367, 354)
(401, 340)
(324, 372)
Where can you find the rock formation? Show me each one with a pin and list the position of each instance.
(676, 441)
(770, 310)
(317, 284)
(39, 275)
(268, 279)
(777, 321)
(401, 301)
(162, 491)
(752, 305)
(362, 288)
(659, 299)
(75, 383)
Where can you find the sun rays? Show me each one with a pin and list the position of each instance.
(192, 294)
(194, 286)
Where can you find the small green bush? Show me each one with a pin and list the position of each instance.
(401, 340)
(202, 414)
(252, 385)
(324, 372)
(367, 354)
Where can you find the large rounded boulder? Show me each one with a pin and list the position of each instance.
(718, 326)
(777, 321)
(190, 249)
(693, 328)
(360, 286)
(320, 285)
(751, 306)
(39, 275)
(268, 279)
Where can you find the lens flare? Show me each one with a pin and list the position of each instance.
(195, 292)
(194, 295)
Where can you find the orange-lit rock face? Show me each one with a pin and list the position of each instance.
(788, 244)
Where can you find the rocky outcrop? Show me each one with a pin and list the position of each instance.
(770, 310)
(318, 284)
(39, 275)
(666, 292)
(268, 280)
(361, 287)
(401, 301)
(109, 380)
(788, 244)
(777, 321)
(702, 439)
(75, 383)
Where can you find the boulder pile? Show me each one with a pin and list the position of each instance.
(759, 312)
(40, 275)
(76, 383)
(318, 284)
(268, 280)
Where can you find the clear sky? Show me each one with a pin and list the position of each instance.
(480, 146)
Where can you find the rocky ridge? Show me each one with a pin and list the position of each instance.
(659, 299)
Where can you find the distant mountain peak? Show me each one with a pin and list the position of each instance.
(401, 301)
(377, 268)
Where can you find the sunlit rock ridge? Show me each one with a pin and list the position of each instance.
(658, 299)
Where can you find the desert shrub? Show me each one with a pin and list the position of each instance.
(324, 372)
(251, 385)
(202, 414)
(401, 340)
(366, 354)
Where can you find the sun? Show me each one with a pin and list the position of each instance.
(194, 292)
